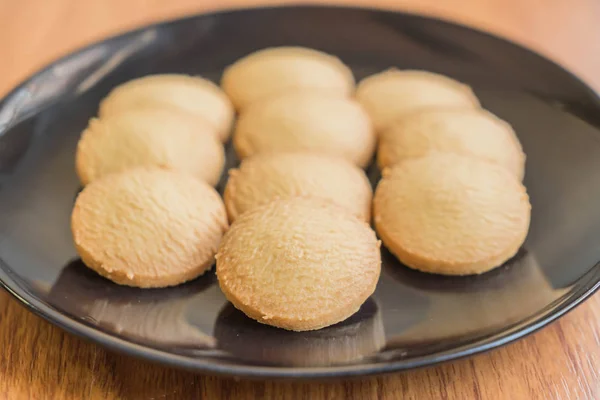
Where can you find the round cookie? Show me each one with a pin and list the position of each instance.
(299, 264)
(194, 94)
(149, 136)
(394, 93)
(450, 214)
(306, 121)
(265, 177)
(148, 227)
(279, 70)
(470, 132)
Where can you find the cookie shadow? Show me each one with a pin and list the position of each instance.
(349, 341)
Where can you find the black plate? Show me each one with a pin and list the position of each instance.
(413, 319)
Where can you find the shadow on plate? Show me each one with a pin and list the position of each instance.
(160, 317)
(518, 268)
(349, 341)
(471, 307)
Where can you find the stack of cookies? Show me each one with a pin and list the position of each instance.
(300, 253)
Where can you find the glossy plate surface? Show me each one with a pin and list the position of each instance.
(413, 319)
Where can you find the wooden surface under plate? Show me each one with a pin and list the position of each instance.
(40, 361)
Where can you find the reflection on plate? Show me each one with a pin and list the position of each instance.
(351, 340)
(452, 308)
(155, 316)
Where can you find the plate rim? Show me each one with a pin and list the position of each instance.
(550, 313)
(519, 330)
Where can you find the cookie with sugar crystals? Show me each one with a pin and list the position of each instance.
(148, 227)
(299, 264)
(265, 177)
(149, 136)
(450, 214)
(193, 94)
(391, 94)
(468, 132)
(306, 121)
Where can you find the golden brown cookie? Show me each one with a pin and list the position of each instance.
(277, 70)
(149, 136)
(148, 227)
(298, 264)
(194, 94)
(450, 214)
(393, 93)
(265, 177)
(469, 132)
(306, 121)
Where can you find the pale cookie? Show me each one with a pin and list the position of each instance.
(450, 214)
(148, 227)
(475, 133)
(279, 70)
(306, 121)
(265, 177)
(149, 136)
(298, 264)
(393, 93)
(194, 94)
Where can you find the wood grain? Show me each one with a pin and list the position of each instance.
(39, 361)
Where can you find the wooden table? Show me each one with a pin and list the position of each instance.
(40, 361)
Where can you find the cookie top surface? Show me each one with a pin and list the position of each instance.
(469, 132)
(306, 121)
(193, 94)
(298, 264)
(389, 95)
(279, 70)
(266, 177)
(148, 227)
(451, 214)
(149, 136)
